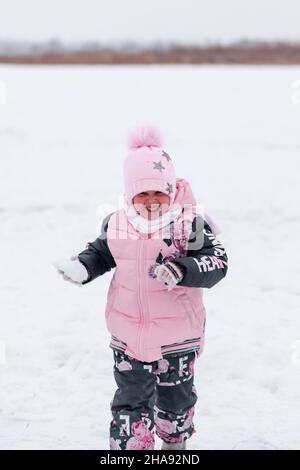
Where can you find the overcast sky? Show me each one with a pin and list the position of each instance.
(147, 21)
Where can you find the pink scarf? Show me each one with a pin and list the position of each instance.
(184, 198)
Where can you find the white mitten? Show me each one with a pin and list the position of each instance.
(170, 273)
(72, 270)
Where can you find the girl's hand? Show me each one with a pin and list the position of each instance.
(72, 270)
(170, 273)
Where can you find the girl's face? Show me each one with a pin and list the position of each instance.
(151, 204)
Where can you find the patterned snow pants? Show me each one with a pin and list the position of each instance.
(157, 395)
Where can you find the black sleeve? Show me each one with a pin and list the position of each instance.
(205, 263)
(97, 258)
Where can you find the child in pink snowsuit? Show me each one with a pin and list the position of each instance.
(164, 253)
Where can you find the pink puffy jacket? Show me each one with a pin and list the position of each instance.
(140, 310)
(144, 318)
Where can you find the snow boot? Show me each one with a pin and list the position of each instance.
(173, 445)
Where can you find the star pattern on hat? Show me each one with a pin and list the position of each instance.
(166, 155)
(158, 166)
(169, 188)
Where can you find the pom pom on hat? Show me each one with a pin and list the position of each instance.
(144, 136)
(147, 166)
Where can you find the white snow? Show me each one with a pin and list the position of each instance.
(234, 134)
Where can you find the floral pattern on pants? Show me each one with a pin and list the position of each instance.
(156, 396)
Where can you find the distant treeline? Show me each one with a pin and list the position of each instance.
(241, 52)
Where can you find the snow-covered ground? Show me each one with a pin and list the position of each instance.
(234, 134)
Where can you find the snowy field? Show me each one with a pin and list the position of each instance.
(234, 134)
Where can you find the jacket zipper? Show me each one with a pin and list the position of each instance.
(140, 257)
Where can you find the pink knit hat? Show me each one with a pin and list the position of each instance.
(148, 167)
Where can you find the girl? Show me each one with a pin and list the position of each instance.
(164, 253)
